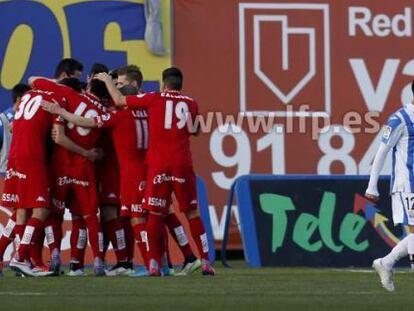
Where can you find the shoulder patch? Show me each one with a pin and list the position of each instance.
(387, 132)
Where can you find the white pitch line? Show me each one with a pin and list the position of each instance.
(22, 294)
(354, 270)
(369, 270)
(328, 293)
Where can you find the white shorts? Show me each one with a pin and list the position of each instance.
(403, 208)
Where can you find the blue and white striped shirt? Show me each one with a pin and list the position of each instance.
(399, 135)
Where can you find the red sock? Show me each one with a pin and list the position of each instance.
(114, 230)
(129, 238)
(95, 235)
(53, 231)
(177, 232)
(32, 234)
(78, 239)
(8, 235)
(199, 236)
(165, 255)
(140, 234)
(36, 250)
(18, 232)
(156, 238)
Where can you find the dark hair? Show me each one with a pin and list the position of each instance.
(128, 90)
(98, 68)
(114, 74)
(68, 66)
(412, 86)
(18, 91)
(173, 78)
(132, 72)
(98, 88)
(73, 83)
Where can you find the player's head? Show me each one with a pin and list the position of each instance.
(68, 68)
(73, 83)
(129, 75)
(173, 79)
(17, 93)
(412, 86)
(98, 88)
(129, 90)
(95, 69)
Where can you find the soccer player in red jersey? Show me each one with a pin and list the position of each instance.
(129, 133)
(73, 173)
(109, 197)
(8, 234)
(169, 162)
(131, 76)
(27, 184)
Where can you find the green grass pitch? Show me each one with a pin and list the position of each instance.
(238, 288)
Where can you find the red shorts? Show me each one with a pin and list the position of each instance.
(108, 181)
(74, 184)
(26, 185)
(162, 181)
(132, 190)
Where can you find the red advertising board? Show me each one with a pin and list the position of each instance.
(323, 76)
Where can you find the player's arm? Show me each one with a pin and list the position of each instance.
(55, 108)
(42, 83)
(391, 135)
(60, 138)
(132, 101)
(116, 95)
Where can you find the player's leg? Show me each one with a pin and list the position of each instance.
(176, 229)
(384, 266)
(138, 217)
(7, 237)
(408, 202)
(157, 203)
(33, 194)
(156, 241)
(129, 239)
(61, 199)
(112, 223)
(139, 225)
(53, 231)
(13, 197)
(78, 241)
(114, 231)
(85, 193)
(186, 193)
(21, 219)
(199, 236)
(95, 238)
(32, 234)
(36, 254)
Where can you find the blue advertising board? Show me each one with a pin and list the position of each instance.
(312, 221)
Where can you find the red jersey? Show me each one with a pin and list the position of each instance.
(168, 114)
(86, 105)
(32, 125)
(129, 132)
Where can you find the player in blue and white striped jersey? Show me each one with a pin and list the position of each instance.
(398, 136)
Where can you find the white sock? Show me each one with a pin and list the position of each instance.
(399, 251)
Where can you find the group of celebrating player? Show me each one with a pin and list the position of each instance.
(111, 155)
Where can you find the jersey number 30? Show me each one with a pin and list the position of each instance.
(28, 107)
